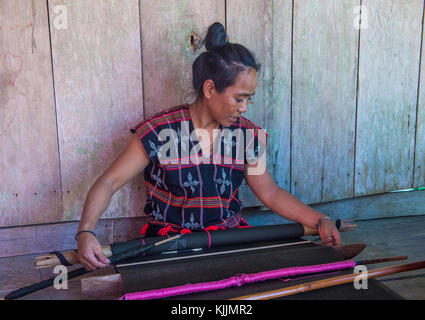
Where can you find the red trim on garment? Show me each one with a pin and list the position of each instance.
(169, 227)
(165, 230)
(144, 230)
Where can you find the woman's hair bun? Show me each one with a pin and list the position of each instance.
(216, 36)
(221, 62)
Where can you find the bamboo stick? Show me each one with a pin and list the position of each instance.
(314, 285)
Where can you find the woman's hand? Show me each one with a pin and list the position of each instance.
(90, 253)
(329, 233)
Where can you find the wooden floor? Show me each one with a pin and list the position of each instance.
(384, 237)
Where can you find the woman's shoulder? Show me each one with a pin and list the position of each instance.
(163, 117)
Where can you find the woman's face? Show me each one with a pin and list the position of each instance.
(228, 106)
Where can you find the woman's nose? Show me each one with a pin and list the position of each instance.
(244, 107)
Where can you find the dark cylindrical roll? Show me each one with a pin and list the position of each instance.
(216, 238)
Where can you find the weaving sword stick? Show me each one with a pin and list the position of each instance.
(330, 282)
(200, 240)
(243, 279)
(78, 272)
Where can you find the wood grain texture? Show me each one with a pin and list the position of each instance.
(378, 206)
(30, 190)
(279, 144)
(100, 286)
(419, 169)
(324, 100)
(48, 237)
(98, 85)
(128, 228)
(167, 56)
(387, 205)
(250, 23)
(388, 84)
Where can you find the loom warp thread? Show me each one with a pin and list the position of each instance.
(238, 280)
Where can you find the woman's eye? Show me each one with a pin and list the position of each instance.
(250, 100)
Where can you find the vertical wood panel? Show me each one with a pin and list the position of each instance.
(167, 56)
(30, 189)
(388, 82)
(97, 74)
(419, 176)
(279, 146)
(250, 23)
(324, 99)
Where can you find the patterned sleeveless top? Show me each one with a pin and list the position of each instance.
(189, 189)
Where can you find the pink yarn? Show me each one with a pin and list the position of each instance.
(238, 280)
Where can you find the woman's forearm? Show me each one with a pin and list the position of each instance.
(289, 207)
(96, 203)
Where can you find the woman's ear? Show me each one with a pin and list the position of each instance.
(209, 88)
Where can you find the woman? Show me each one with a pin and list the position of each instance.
(195, 156)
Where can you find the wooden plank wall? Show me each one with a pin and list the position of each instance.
(323, 100)
(343, 106)
(30, 188)
(387, 96)
(419, 168)
(98, 89)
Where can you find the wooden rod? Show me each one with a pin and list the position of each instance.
(373, 261)
(167, 240)
(309, 286)
(51, 260)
